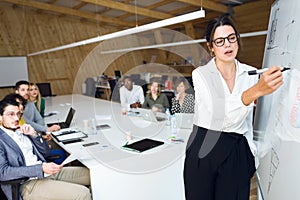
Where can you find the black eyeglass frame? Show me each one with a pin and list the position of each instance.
(228, 39)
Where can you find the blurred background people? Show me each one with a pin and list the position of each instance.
(31, 114)
(155, 96)
(55, 153)
(36, 98)
(131, 96)
(22, 155)
(182, 102)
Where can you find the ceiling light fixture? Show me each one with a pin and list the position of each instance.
(250, 34)
(146, 27)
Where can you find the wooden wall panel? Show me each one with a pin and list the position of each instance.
(25, 31)
(252, 51)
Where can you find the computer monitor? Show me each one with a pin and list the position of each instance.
(45, 89)
(118, 74)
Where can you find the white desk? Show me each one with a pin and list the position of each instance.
(117, 173)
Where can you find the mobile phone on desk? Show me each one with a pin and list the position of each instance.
(102, 126)
(90, 144)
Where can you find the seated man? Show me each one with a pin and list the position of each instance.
(131, 96)
(22, 155)
(31, 115)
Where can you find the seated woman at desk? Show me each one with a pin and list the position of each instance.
(182, 102)
(155, 97)
(35, 97)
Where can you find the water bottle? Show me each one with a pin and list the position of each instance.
(168, 117)
(173, 126)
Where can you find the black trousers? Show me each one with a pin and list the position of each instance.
(218, 166)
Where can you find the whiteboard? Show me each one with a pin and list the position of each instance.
(12, 70)
(277, 119)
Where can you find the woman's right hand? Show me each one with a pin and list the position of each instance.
(270, 80)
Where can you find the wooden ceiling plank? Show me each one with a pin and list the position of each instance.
(80, 5)
(207, 4)
(189, 29)
(70, 11)
(253, 6)
(130, 8)
(159, 40)
(161, 3)
(183, 9)
(158, 4)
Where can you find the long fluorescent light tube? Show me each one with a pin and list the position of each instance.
(250, 34)
(138, 29)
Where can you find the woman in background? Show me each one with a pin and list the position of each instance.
(182, 102)
(35, 96)
(155, 97)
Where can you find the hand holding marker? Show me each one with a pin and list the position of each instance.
(260, 71)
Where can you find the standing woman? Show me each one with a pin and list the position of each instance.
(155, 97)
(182, 102)
(220, 153)
(35, 96)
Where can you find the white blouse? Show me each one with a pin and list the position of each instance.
(218, 109)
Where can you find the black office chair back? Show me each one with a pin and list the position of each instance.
(45, 89)
(15, 188)
(2, 195)
(115, 90)
(90, 89)
(170, 95)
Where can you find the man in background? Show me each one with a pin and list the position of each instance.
(31, 115)
(131, 96)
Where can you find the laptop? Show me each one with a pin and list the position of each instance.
(184, 120)
(67, 123)
(149, 115)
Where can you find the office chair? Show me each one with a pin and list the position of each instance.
(115, 90)
(136, 78)
(45, 89)
(15, 188)
(90, 87)
(170, 95)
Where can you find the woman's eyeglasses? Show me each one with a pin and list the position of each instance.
(232, 38)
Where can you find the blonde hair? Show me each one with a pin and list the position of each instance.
(38, 97)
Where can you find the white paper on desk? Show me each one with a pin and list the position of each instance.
(69, 159)
(70, 136)
(103, 117)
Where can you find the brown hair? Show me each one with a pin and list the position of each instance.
(181, 80)
(159, 87)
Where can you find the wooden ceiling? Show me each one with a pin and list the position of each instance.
(125, 14)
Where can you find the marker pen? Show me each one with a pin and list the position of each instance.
(260, 71)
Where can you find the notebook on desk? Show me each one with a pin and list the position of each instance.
(69, 135)
(67, 123)
(149, 115)
(142, 145)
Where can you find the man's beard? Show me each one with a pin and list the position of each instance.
(9, 128)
